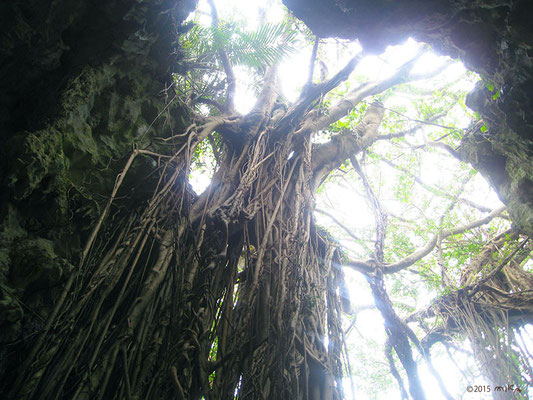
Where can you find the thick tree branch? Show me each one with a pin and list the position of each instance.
(346, 104)
(226, 64)
(418, 255)
(398, 334)
(397, 331)
(309, 82)
(270, 92)
(368, 267)
(328, 156)
(314, 92)
(260, 114)
(394, 370)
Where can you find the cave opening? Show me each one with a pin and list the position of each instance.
(218, 200)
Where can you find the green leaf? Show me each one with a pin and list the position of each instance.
(484, 128)
(264, 46)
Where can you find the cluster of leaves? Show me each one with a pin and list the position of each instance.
(422, 209)
(257, 49)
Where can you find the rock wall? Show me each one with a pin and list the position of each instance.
(80, 82)
(491, 37)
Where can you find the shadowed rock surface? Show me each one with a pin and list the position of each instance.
(79, 83)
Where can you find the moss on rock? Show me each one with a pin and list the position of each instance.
(80, 84)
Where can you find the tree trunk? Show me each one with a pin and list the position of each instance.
(232, 290)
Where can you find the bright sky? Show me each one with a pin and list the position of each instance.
(342, 201)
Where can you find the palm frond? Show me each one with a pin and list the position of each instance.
(265, 46)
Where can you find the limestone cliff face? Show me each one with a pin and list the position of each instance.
(491, 37)
(80, 81)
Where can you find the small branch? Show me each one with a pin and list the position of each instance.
(427, 122)
(477, 206)
(214, 103)
(435, 190)
(379, 215)
(347, 230)
(446, 147)
(416, 127)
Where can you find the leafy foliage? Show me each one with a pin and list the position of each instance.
(257, 49)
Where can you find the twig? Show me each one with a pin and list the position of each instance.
(414, 128)
(346, 229)
(423, 122)
(435, 190)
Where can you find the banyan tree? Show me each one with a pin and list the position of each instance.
(237, 292)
